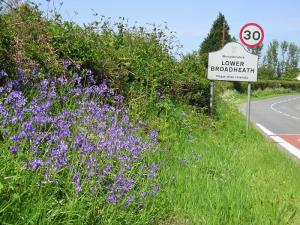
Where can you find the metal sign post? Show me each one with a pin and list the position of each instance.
(232, 63)
(252, 36)
(248, 105)
(211, 100)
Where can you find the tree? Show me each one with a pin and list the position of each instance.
(215, 38)
(256, 51)
(282, 58)
(213, 41)
(271, 59)
(284, 51)
(293, 55)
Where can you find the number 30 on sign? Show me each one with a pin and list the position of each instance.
(252, 35)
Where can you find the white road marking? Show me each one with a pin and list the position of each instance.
(265, 130)
(290, 148)
(283, 113)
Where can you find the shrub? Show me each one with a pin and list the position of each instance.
(138, 61)
(266, 73)
(270, 91)
(190, 85)
(263, 84)
(291, 74)
(192, 90)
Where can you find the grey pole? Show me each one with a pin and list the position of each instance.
(211, 101)
(248, 105)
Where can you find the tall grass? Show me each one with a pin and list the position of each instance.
(223, 174)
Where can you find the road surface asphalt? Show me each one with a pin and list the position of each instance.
(279, 119)
(281, 115)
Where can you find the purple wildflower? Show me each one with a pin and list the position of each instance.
(119, 98)
(54, 182)
(44, 84)
(78, 66)
(140, 205)
(61, 80)
(35, 164)
(67, 63)
(63, 129)
(129, 200)
(154, 135)
(60, 162)
(90, 78)
(34, 70)
(76, 180)
(62, 149)
(112, 198)
(77, 79)
(52, 93)
(3, 111)
(14, 149)
(153, 170)
(64, 98)
(89, 72)
(21, 72)
(3, 74)
(91, 166)
(107, 169)
(95, 138)
(143, 194)
(9, 86)
(16, 99)
(155, 189)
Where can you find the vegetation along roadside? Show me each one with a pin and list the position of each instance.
(104, 124)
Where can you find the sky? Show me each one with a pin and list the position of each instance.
(192, 19)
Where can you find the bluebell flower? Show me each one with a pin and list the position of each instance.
(35, 164)
(78, 66)
(3, 74)
(76, 180)
(67, 63)
(129, 200)
(14, 149)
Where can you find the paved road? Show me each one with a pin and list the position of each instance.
(279, 118)
(281, 115)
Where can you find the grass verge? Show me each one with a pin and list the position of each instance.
(212, 172)
(223, 175)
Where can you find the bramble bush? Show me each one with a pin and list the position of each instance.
(140, 62)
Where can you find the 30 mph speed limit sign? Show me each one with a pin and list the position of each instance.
(252, 35)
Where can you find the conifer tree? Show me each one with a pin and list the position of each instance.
(213, 41)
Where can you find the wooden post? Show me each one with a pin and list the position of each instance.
(223, 34)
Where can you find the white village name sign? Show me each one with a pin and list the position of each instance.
(232, 63)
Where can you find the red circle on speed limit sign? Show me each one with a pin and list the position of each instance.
(252, 35)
